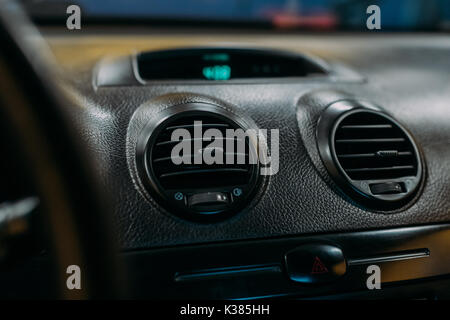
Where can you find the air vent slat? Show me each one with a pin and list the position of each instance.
(229, 154)
(169, 167)
(172, 142)
(381, 173)
(372, 155)
(367, 126)
(204, 125)
(192, 172)
(357, 155)
(380, 169)
(370, 140)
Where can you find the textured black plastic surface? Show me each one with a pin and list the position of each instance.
(256, 269)
(408, 76)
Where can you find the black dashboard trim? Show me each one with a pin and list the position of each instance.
(403, 254)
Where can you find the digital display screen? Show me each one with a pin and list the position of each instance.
(223, 64)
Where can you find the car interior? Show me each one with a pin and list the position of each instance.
(225, 150)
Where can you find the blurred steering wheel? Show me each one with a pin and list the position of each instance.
(73, 209)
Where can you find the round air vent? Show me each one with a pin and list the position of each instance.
(198, 162)
(368, 153)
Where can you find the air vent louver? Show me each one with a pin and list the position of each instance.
(368, 152)
(369, 146)
(200, 191)
(193, 176)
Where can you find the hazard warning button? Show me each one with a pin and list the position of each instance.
(315, 263)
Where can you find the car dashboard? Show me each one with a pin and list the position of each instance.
(358, 140)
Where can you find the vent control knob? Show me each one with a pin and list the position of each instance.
(216, 199)
(387, 188)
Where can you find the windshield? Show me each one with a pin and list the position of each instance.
(403, 15)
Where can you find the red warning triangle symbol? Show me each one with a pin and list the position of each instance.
(318, 267)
